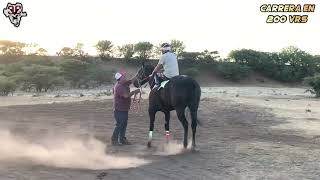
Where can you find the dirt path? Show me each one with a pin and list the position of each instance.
(236, 141)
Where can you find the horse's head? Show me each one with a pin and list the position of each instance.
(143, 74)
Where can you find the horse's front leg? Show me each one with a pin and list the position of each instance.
(152, 115)
(167, 125)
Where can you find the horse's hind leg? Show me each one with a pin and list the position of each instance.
(167, 124)
(184, 122)
(194, 127)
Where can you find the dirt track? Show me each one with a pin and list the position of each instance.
(236, 142)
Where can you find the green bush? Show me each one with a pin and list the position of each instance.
(192, 72)
(2, 69)
(100, 75)
(314, 82)
(13, 69)
(6, 86)
(38, 60)
(85, 73)
(233, 71)
(38, 77)
(289, 65)
(75, 71)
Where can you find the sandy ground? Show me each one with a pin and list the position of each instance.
(247, 133)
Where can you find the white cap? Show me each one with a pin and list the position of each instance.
(118, 76)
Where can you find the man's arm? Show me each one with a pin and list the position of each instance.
(157, 68)
(129, 94)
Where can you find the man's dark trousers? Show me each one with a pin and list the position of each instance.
(121, 125)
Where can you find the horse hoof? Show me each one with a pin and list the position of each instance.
(194, 150)
(149, 145)
(185, 150)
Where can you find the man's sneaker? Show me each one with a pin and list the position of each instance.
(114, 142)
(124, 141)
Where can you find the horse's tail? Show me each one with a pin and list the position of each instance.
(194, 105)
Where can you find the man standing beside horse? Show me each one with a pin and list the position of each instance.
(121, 103)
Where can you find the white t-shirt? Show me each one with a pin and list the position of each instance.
(170, 64)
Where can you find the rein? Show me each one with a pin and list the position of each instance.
(136, 101)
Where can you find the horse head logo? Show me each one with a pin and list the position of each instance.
(14, 12)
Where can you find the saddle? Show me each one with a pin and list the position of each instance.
(165, 82)
(162, 85)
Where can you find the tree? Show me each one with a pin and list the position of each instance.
(143, 49)
(290, 65)
(293, 56)
(177, 47)
(297, 63)
(66, 51)
(249, 57)
(35, 50)
(156, 52)
(314, 82)
(126, 51)
(317, 62)
(12, 48)
(209, 55)
(31, 48)
(104, 48)
(79, 52)
(41, 52)
(190, 56)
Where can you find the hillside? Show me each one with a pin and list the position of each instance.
(207, 77)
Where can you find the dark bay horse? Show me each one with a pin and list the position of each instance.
(178, 94)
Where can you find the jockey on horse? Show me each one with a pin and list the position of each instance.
(167, 65)
(179, 93)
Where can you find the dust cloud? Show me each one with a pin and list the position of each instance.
(64, 153)
(172, 148)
